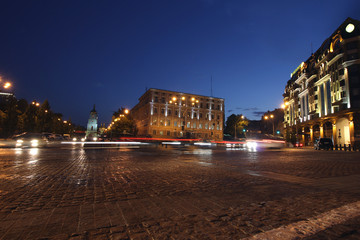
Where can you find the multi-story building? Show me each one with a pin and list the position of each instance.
(162, 113)
(322, 98)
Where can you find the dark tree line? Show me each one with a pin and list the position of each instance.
(18, 116)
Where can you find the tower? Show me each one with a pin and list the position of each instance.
(92, 125)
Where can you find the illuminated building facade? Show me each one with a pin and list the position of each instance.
(322, 98)
(168, 114)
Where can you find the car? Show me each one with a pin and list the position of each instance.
(30, 140)
(323, 143)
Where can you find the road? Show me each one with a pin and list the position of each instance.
(178, 193)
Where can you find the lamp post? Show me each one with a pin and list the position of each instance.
(273, 124)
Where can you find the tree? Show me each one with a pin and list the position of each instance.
(235, 125)
(122, 123)
(10, 117)
(44, 119)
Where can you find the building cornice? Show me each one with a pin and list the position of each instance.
(323, 79)
(303, 92)
(334, 59)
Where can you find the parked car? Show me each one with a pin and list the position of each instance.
(30, 140)
(323, 143)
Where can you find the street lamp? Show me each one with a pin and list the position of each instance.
(273, 124)
(7, 85)
(126, 111)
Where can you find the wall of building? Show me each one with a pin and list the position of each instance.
(162, 113)
(323, 94)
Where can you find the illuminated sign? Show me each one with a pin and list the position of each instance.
(302, 64)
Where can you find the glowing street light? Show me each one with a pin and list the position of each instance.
(272, 117)
(7, 85)
(126, 111)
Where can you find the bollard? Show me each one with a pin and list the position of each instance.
(336, 147)
(349, 147)
(340, 148)
(354, 148)
(345, 147)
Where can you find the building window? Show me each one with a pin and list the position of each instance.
(342, 83)
(188, 125)
(175, 123)
(201, 105)
(162, 100)
(156, 99)
(168, 133)
(155, 110)
(161, 133)
(169, 112)
(176, 112)
(212, 106)
(212, 116)
(218, 117)
(162, 111)
(168, 123)
(154, 121)
(161, 122)
(194, 125)
(217, 127)
(195, 115)
(154, 132)
(200, 125)
(200, 115)
(206, 126)
(207, 106)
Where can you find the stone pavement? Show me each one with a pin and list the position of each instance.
(184, 193)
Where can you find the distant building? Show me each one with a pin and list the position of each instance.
(92, 126)
(162, 113)
(322, 98)
(5, 97)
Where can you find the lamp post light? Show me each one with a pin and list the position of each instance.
(273, 124)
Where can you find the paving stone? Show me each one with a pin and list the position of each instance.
(166, 194)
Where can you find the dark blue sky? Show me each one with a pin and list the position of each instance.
(80, 53)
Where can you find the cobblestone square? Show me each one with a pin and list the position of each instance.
(178, 193)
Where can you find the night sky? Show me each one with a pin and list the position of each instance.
(79, 53)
